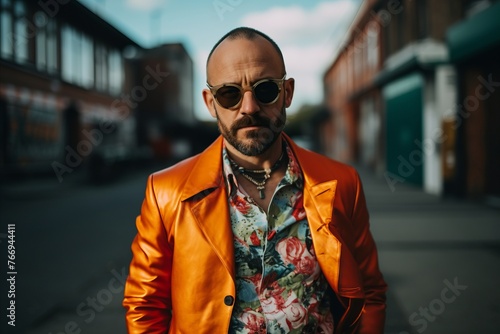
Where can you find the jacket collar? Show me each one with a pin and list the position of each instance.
(313, 175)
(318, 183)
(206, 174)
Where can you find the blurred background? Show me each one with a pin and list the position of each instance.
(95, 95)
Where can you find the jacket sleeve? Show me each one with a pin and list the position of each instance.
(147, 297)
(365, 252)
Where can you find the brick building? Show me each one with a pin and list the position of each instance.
(73, 90)
(165, 113)
(350, 94)
(397, 86)
(61, 70)
(474, 45)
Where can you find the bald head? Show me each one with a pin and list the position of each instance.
(248, 34)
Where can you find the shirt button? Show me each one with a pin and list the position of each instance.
(228, 300)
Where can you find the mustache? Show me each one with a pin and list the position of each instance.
(247, 120)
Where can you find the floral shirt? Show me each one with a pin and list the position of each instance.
(279, 284)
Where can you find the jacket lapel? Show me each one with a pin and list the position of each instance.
(206, 190)
(318, 202)
(212, 216)
(333, 254)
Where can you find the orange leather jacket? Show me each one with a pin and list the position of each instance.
(181, 277)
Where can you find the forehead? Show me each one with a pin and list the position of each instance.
(240, 58)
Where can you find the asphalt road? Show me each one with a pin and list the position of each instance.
(441, 258)
(72, 240)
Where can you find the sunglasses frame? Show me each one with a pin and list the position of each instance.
(278, 82)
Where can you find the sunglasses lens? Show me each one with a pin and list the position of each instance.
(228, 96)
(267, 91)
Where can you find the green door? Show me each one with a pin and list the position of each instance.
(404, 109)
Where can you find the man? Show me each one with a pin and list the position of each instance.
(254, 235)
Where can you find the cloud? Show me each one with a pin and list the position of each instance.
(308, 39)
(145, 5)
(289, 24)
(306, 65)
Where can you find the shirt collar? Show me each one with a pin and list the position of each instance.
(231, 182)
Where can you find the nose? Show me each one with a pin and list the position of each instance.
(248, 104)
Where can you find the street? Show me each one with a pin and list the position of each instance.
(72, 241)
(440, 257)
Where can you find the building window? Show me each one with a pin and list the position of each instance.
(372, 47)
(87, 62)
(101, 68)
(14, 34)
(46, 43)
(52, 57)
(358, 54)
(6, 32)
(115, 72)
(387, 44)
(67, 54)
(77, 57)
(41, 42)
(21, 38)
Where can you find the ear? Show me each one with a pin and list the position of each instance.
(289, 89)
(209, 100)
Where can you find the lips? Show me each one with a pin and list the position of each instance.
(252, 126)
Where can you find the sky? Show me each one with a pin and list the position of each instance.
(309, 33)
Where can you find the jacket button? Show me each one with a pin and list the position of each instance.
(228, 300)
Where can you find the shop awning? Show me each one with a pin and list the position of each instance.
(474, 35)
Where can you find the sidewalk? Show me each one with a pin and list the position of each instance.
(440, 257)
(72, 237)
(36, 186)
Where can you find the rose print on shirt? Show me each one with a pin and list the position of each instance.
(294, 252)
(241, 205)
(298, 210)
(254, 239)
(254, 322)
(284, 308)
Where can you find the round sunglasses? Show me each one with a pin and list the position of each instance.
(265, 91)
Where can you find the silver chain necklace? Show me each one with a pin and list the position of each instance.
(260, 184)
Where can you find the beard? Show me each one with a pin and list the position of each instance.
(256, 141)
